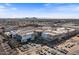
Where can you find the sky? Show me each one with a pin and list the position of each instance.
(40, 10)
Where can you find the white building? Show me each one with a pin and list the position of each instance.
(59, 33)
(24, 35)
(47, 33)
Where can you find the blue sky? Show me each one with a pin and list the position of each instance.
(47, 10)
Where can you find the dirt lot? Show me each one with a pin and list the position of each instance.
(71, 45)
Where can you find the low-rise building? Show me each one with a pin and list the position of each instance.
(46, 33)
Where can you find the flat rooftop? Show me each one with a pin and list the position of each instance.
(47, 30)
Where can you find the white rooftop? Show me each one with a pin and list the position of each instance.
(47, 31)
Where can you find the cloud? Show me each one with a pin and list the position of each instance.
(13, 8)
(8, 4)
(47, 4)
(68, 8)
(48, 10)
(58, 7)
(2, 7)
(76, 8)
(7, 7)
